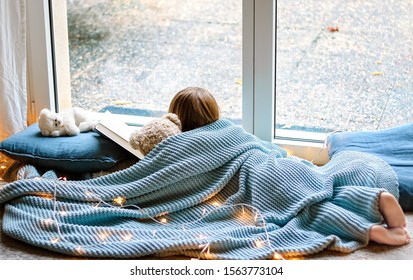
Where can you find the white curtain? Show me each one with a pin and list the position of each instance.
(13, 86)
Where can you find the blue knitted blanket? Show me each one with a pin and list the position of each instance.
(216, 192)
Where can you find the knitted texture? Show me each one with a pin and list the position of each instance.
(216, 192)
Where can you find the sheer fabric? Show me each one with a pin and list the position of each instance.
(13, 89)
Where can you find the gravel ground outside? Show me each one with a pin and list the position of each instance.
(138, 54)
(341, 65)
(344, 65)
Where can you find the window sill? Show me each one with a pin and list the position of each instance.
(315, 152)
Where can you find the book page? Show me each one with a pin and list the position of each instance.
(119, 132)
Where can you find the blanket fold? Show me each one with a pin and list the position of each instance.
(216, 192)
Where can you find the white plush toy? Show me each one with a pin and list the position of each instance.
(70, 122)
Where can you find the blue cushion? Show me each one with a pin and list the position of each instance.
(86, 152)
(394, 145)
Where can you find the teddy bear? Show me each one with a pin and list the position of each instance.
(69, 122)
(155, 131)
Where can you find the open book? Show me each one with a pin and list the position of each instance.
(119, 132)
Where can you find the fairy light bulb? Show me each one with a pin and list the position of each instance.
(79, 250)
(201, 236)
(48, 222)
(88, 193)
(103, 236)
(119, 200)
(55, 240)
(259, 243)
(276, 256)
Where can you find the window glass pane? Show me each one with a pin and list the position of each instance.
(343, 65)
(132, 56)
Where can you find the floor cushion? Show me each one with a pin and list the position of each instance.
(86, 152)
(394, 145)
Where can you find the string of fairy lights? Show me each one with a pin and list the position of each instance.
(246, 212)
(163, 220)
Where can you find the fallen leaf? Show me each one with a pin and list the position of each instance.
(377, 73)
(332, 28)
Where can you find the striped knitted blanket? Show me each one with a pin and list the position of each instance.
(216, 192)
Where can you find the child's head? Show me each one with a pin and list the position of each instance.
(195, 107)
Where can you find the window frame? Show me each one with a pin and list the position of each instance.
(259, 84)
(41, 92)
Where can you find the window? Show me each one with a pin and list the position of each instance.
(258, 67)
(342, 65)
(133, 56)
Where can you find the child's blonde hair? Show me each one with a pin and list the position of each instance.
(195, 107)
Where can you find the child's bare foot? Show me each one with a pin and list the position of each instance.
(392, 212)
(389, 236)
